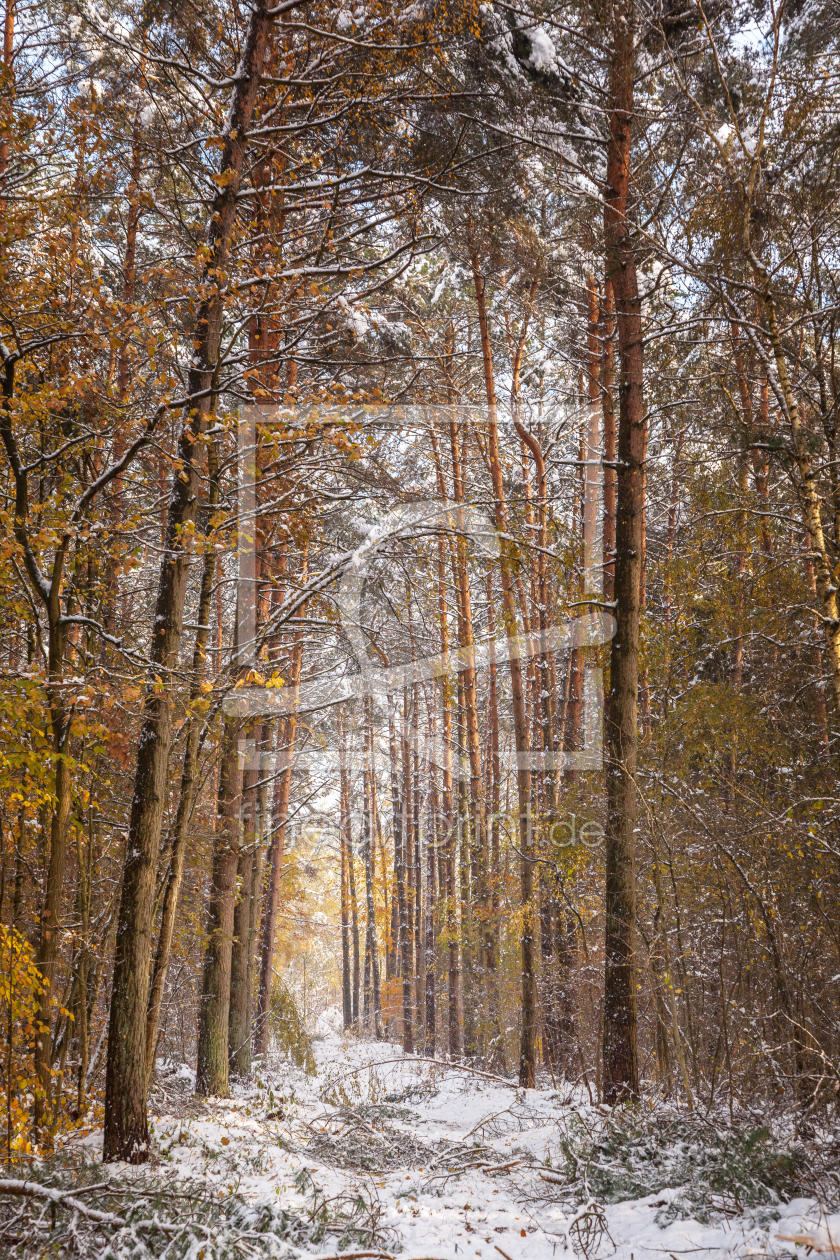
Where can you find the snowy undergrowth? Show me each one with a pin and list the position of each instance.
(377, 1154)
(720, 1169)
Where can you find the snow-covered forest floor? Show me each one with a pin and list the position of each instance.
(376, 1154)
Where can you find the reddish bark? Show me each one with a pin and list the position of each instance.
(621, 1062)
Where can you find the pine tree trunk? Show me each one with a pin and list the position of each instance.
(376, 843)
(607, 330)
(400, 845)
(354, 921)
(408, 785)
(430, 908)
(467, 683)
(464, 894)
(370, 885)
(344, 842)
(239, 1016)
(449, 883)
(392, 970)
(455, 1040)
(431, 916)
(495, 767)
(288, 732)
(188, 786)
(213, 1019)
(621, 1062)
(417, 865)
(126, 1123)
(367, 980)
(373, 998)
(263, 828)
(528, 1039)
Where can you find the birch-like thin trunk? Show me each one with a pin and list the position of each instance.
(85, 861)
(668, 980)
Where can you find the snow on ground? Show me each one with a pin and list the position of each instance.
(453, 1164)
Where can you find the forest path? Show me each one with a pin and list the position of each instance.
(430, 1162)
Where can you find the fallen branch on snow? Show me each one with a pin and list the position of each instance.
(34, 1190)
(448, 1067)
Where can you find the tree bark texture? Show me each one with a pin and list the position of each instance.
(621, 1062)
(288, 732)
(528, 1040)
(187, 791)
(214, 1013)
(126, 1123)
(239, 1016)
